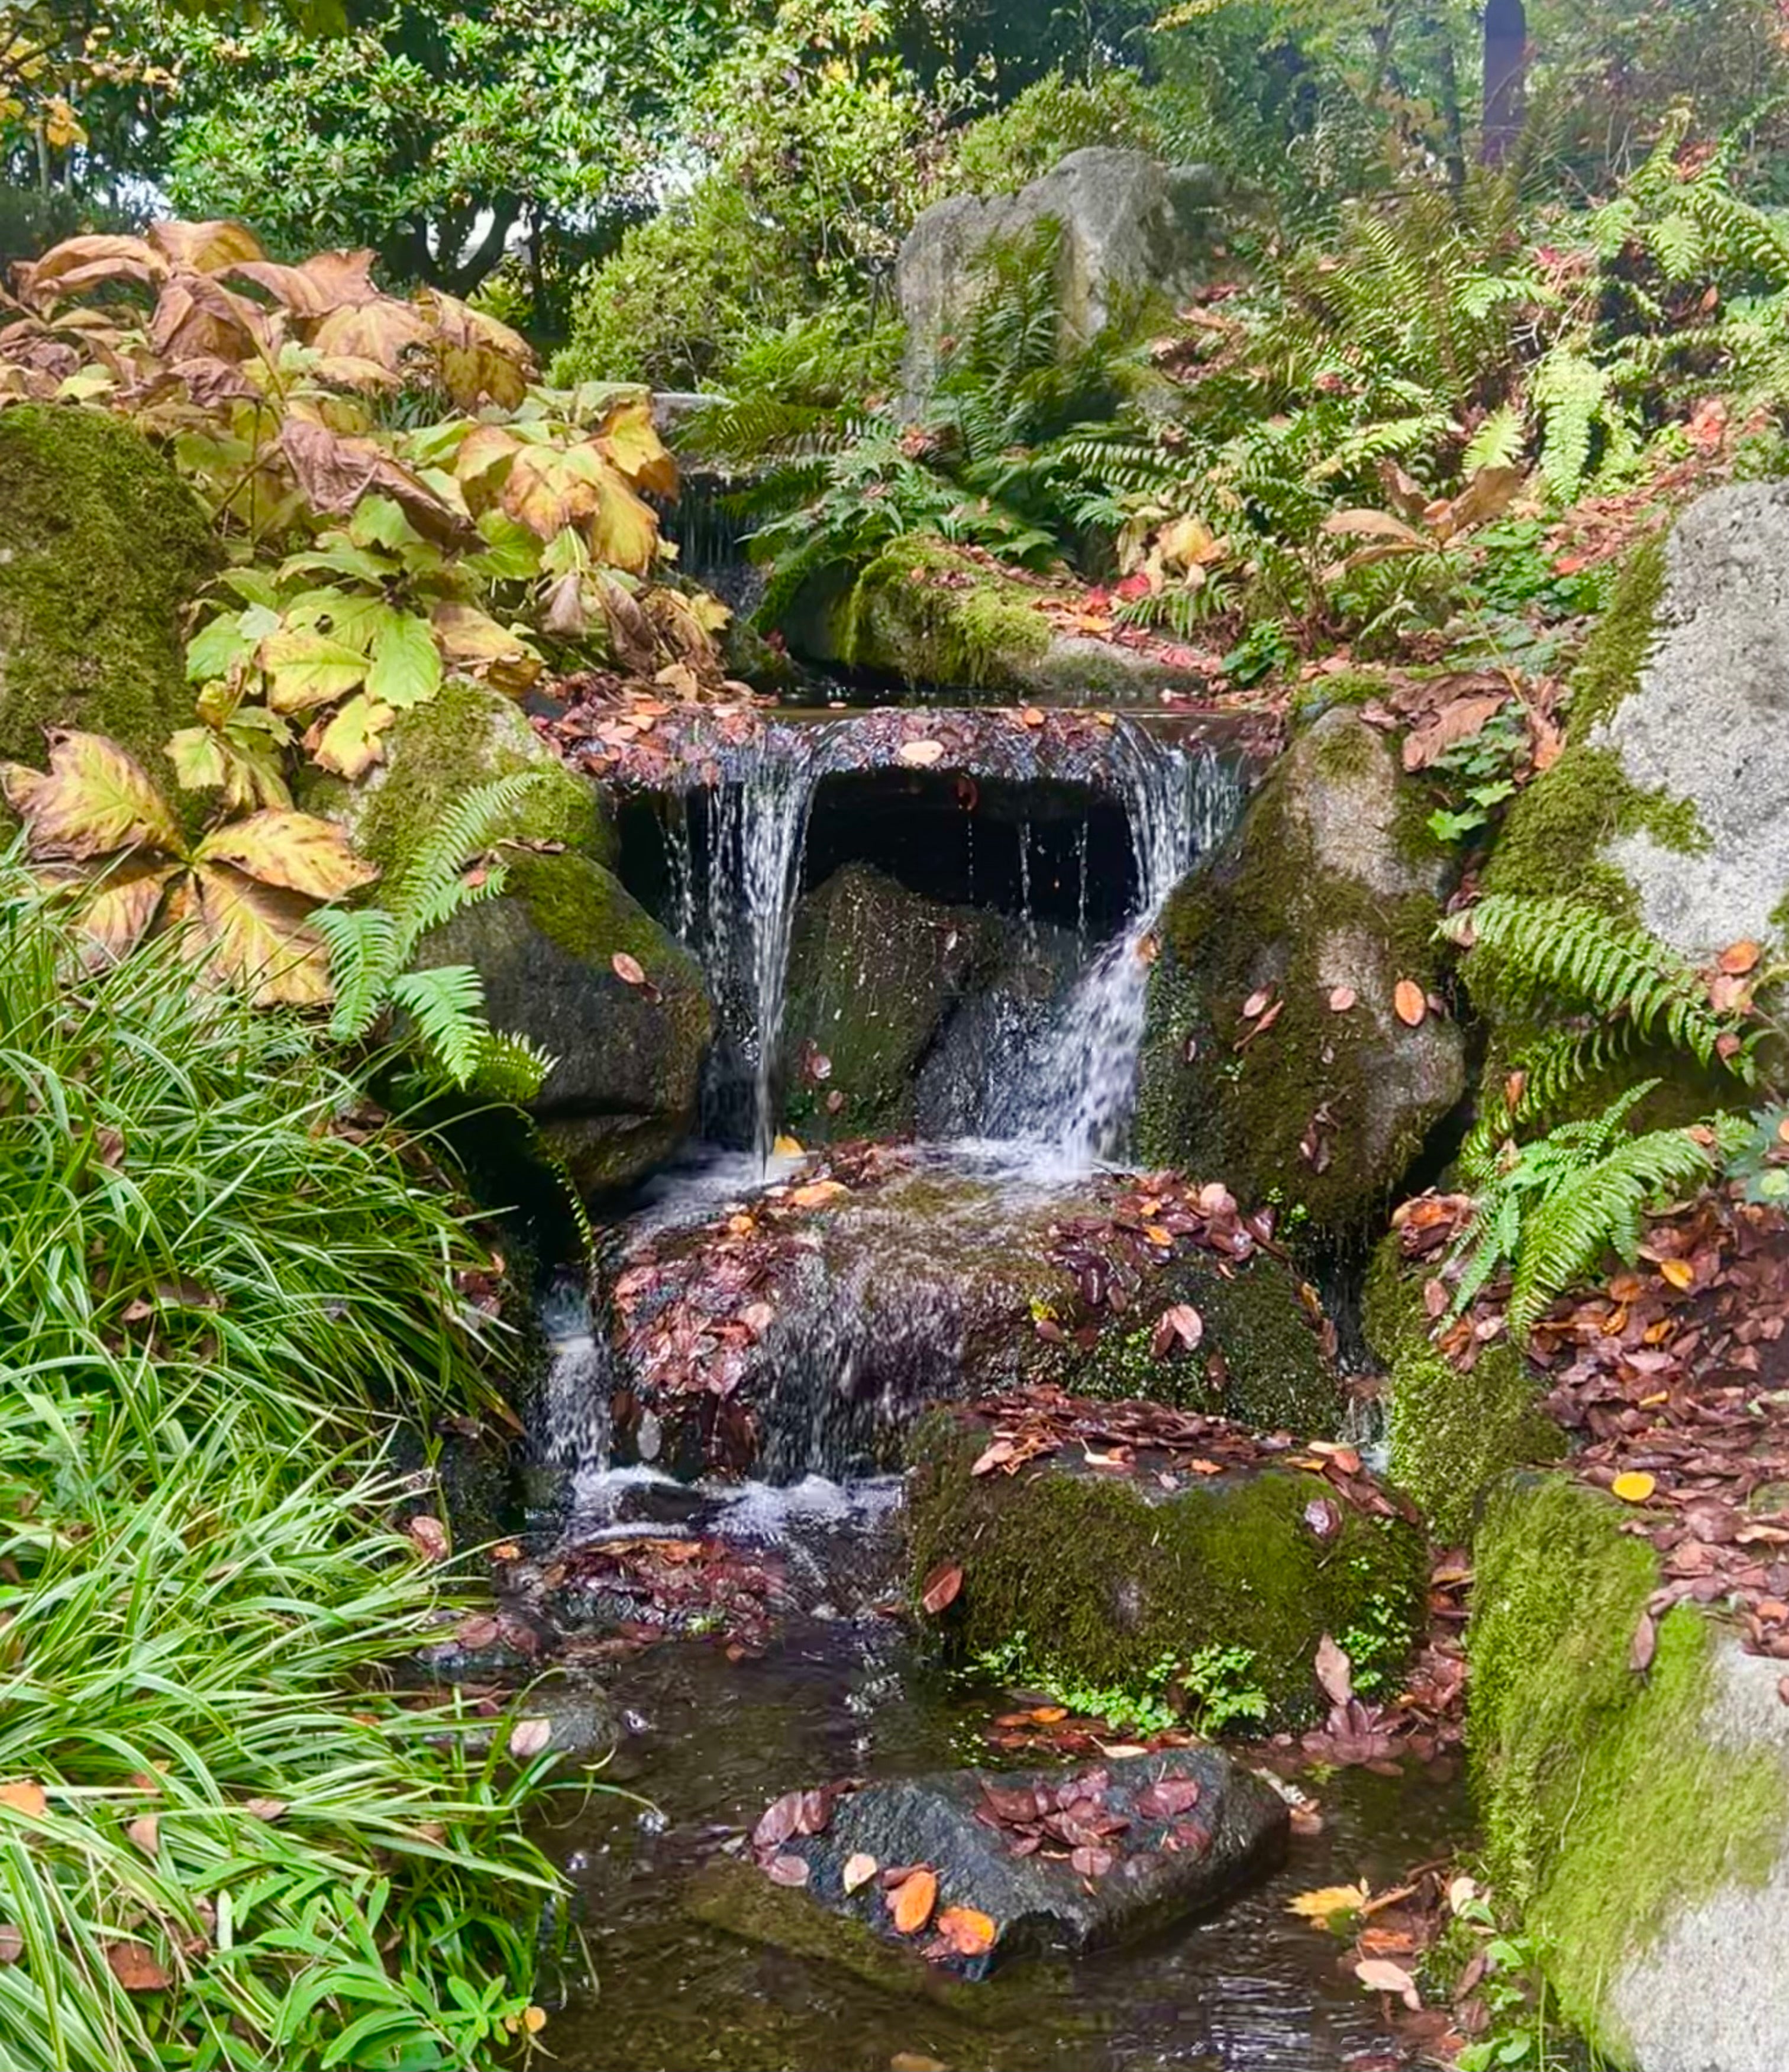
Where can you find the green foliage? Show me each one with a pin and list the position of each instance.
(1209, 1691)
(372, 947)
(1551, 1208)
(1477, 776)
(1762, 1159)
(1020, 142)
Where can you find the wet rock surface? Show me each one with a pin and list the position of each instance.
(972, 1869)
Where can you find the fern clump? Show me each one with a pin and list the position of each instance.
(1551, 1209)
(372, 947)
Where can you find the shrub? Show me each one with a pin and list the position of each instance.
(1005, 150)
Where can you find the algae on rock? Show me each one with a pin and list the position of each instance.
(102, 547)
(1326, 899)
(1640, 1820)
(1099, 1578)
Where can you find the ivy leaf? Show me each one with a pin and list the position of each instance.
(95, 798)
(406, 664)
(295, 851)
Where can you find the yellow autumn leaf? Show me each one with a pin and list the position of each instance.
(1329, 1903)
(786, 1147)
(296, 852)
(122, 908)
(1678, 1272)
(629, 439)
(1634, 1487)
(94, 799)
(258, 938)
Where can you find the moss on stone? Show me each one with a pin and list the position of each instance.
(1452, 1435)
(929, 615)
(1608, 1806)
(1221, 1098)
(1259, 1362)
(466, 736)
(1106, 1577)
(1609, 669)
(101, 548)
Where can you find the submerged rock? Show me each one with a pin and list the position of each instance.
(102, 549)
(623, 1094)
(1033, 1863)
(1639, 1819)
(1116, 1565)
(804, 1328)
(1295, 1046)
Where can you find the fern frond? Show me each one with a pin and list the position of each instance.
(1497, 443)
(446, 1004)
(512, 1068)
(433, 888)
(363, 959)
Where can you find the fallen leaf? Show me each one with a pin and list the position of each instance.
(528, 1736)
(627, 969)
(1381, 1976)
(913, 2061)
(1411, 1002)
(1743, 957)
(24, 1796)
(859, 1870)
(790, 1871)
(970, 1934)
(786, 1147)
(1632, 1488)
(428, 1535)
(818, 1194)
(534, 2019)
(1031, 716)
(941, 1589)
(1335, 1672)
(920, 755)
(1181, 1324)
(12, 1944)
(135, 1969)
(1678, 1272)
(1327, 1902)
(1255, 1005)
(146, 1831)
(912, 1900)
(1645, 1644)
(1343, 998)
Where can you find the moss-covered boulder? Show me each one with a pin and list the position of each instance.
(1640, 1820)
(802, 1329)
(624, 1092)
(1452, 1433)
(1276, 1055)
(102, 547)
(1085, 1575)
(874, 972)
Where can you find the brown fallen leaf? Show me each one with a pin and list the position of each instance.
(629, 970)
(792, 1871)
(912, 1900)
(12, 1943)
(1181, 1324)
(1742, 958)
(428, 1535)
(920, 755)
(1381, 1976)
(1411, 1003)
(1335, 1672)
(941, 1589)
(135, 1969)
(1343, 998)
(146, 1831)
(527, 1737)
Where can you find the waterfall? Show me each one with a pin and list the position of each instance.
(1073, 1094)
(576, 1381)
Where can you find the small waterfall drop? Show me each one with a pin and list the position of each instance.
(576, 1383)
(1072, 1095)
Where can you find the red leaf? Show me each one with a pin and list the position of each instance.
(941, 1589)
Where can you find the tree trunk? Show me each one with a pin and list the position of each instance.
(1505, 78)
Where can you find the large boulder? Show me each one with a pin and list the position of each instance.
(624, 1092)
(1131, 229)
(1068, 1861)
(102, 548)
(1294, 1048)
(801, 1329)
(1639, 1819)
(874, 973)
(1147, 1550)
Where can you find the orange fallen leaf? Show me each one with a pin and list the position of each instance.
(1633, 1487)
(1031, 716)
(1411, 1002)
(912, 1900)
(135, 1969)
(1741, 958)
(1327, 1902)
(24, 1796)
(970, 1934)
(1678, 1272)
(818, 1193)
(942, 1589)
(1343, 998)
(1047, 1715)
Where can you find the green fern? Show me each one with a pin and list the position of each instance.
(372, 947)
(1553, 1208)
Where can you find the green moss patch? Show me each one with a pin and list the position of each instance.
(1099, 1578)
(102, 547)
(930, 615)
(1608, 1806)
(1452, 1435)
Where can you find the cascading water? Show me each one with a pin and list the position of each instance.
(1072, 1097)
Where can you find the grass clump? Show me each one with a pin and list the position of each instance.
(226, 1840)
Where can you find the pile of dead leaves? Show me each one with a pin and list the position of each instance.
(601, 1599)
(1076, 1821)
(1672, 1380)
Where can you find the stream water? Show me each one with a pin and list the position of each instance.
(841, 1689)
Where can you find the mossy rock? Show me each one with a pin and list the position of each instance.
(1640, 1821)
(1095, 1577)
(1452, 1435)
(624, 1092)
(102, 548)
(1331, 882)
(874, 972)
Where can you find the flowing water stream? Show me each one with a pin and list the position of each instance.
(841, 1689)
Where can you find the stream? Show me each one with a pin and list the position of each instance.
(838, 1684)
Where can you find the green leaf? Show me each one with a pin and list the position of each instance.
(218, 648)
(377, 521)
(406, 664)
(306, 668)
(197, 755)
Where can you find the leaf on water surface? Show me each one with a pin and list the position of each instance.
(1383, 1976)
(1329, 1902)
(941, 1589)
(912, 1900)
(859, 1869)
(1335, 1672)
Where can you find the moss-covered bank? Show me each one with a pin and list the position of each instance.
(1452, 1434)
(1106, 1576)
(1612, 1805)
(102, 547)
